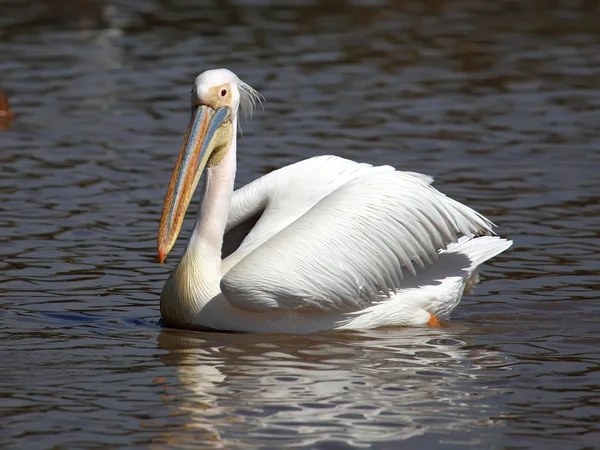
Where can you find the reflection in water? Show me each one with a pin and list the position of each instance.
(357, 388)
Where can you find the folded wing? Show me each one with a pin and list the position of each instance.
(352, 247)
(262, 208)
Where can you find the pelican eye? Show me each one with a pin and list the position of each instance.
(223, 92)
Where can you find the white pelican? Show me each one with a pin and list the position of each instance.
(322, 244)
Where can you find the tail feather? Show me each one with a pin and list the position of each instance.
(439, 288)
(435, 289)
(479, 249)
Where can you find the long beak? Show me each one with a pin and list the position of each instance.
(194, 154)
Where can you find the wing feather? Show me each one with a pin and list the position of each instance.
(349, 250)
(262, 208)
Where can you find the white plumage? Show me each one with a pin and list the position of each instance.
(325, 243)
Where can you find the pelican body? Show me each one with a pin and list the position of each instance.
(322, 244)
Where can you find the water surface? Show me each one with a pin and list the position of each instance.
(499, 101)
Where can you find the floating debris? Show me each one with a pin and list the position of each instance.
(5, 110)
(6, 114)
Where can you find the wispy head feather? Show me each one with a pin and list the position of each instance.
(249, 97)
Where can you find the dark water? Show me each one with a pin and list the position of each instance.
(500, 101)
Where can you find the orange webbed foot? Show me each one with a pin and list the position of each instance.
(433, 321)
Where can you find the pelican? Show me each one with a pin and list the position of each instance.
(322, 244)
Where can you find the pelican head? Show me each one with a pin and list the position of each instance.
(217, 96)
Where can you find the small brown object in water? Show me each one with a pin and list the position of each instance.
(6, 114)
(5, 110)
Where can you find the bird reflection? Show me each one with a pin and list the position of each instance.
(357, 388)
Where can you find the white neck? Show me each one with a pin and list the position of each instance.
(192, 296)
(216, 191)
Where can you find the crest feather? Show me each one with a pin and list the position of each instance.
(249, 98)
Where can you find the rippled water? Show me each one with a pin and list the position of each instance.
(500, 101)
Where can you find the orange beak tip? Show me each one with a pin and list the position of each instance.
(161, 255)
